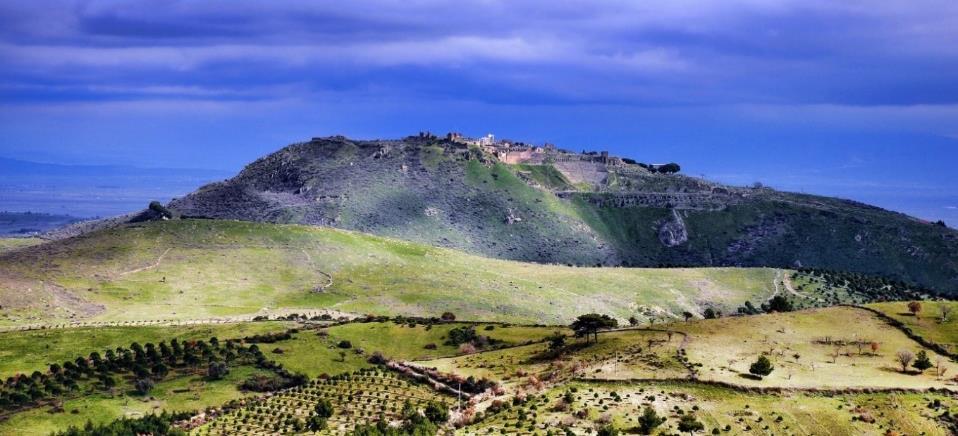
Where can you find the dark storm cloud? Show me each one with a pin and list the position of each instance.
(685, 52)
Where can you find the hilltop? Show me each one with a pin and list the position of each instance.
(544, 205)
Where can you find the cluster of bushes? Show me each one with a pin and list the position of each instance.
(872, 288)
(156, 425)
(413, 422)
(467, 335)
(778, 303)
(269, 338)
(669, 168)
(268, 383)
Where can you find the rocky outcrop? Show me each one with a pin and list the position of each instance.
(673, 232)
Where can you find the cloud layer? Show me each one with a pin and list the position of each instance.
(747, 88)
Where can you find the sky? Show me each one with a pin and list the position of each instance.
(852, 98)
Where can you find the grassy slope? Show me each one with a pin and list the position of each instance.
(313, 354)
(222, 268)
(800, 414)
(928, 324)
(726, 347)
(10, 244)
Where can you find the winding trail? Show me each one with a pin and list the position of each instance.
(328, 276)
(148, 267)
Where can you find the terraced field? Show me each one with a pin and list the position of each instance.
(356, 398)
(196, 269)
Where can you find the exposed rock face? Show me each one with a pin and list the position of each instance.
(447, 194)
(673, 232)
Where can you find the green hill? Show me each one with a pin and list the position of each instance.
(572, 209)
(194, 269)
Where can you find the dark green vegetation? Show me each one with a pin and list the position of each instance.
(582, 213)
(155, 425)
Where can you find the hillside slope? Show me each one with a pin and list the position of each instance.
(195, 269)
(572, 212)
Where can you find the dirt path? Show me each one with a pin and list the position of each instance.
(178, 322)
(329, 277)
(148, 267)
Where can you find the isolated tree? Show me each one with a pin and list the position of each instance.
(922, 362)
(761, 367)
(143, 386)
(217, 370)
(904, 358)
(874, 347)
(778, 303)
(710, 313)
(324, 408)
(448, 316)
(649, 420)
(436, 412)
(633, 321)
(689, 424)
(556, 341)
(687, 315)
(316, 423)
(669, 168)
(915, 308)
(591, 323)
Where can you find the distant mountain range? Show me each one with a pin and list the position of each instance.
(579, 209)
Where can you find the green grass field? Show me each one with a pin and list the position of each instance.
(25, 352)
(314, 354)
(201, 269)
(929, 323)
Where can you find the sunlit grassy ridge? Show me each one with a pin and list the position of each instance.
(207, 268)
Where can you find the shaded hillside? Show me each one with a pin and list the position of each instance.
(197, 269)
(572, 211)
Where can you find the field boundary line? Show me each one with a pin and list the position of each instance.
(934, 346)
(768, 389)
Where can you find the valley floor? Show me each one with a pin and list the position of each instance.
(822, 381)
